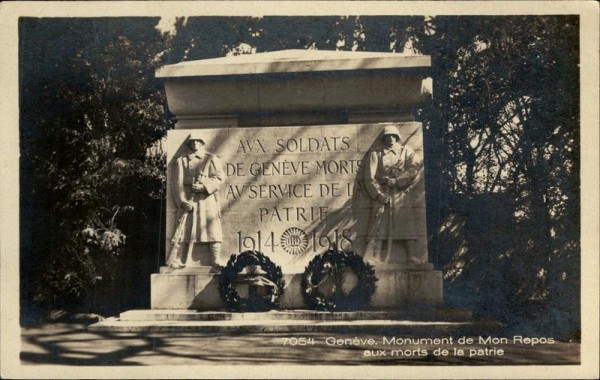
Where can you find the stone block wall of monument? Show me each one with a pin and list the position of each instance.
(292, 134)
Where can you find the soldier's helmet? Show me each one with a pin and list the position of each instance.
(195, 137)
(392, 130)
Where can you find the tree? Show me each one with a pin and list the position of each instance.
(505, 107)
(92, 114)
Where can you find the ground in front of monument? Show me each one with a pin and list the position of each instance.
(74, 345)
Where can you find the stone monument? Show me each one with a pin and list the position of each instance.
(291, 153)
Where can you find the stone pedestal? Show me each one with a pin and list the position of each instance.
(402, 286)
(198, 288)
(194, 288)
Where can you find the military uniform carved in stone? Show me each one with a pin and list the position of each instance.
(389, 175)
(198, 176)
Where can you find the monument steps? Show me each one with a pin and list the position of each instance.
(425, 314)
(456, 322)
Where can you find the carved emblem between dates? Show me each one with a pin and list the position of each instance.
(294, 241)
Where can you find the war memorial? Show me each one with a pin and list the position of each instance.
(296, 190)
(189, 195)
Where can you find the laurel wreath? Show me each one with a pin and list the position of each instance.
(230, 276)
(331, 264)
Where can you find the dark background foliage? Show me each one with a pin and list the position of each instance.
(501, 139)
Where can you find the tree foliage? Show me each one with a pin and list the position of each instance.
(506, 109)
(92, 113)
(501, 140)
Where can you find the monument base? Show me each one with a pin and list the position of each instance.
(422, 322)
(197, 288)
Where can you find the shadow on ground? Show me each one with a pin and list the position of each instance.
(66, 344)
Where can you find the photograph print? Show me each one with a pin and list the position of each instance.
(364, 190)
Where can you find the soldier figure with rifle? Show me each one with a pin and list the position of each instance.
(389, 174)
(197, 180)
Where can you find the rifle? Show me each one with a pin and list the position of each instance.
(177, 236)
(390, 226)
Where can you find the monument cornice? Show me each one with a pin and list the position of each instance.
(293, 81)
(293, 61)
